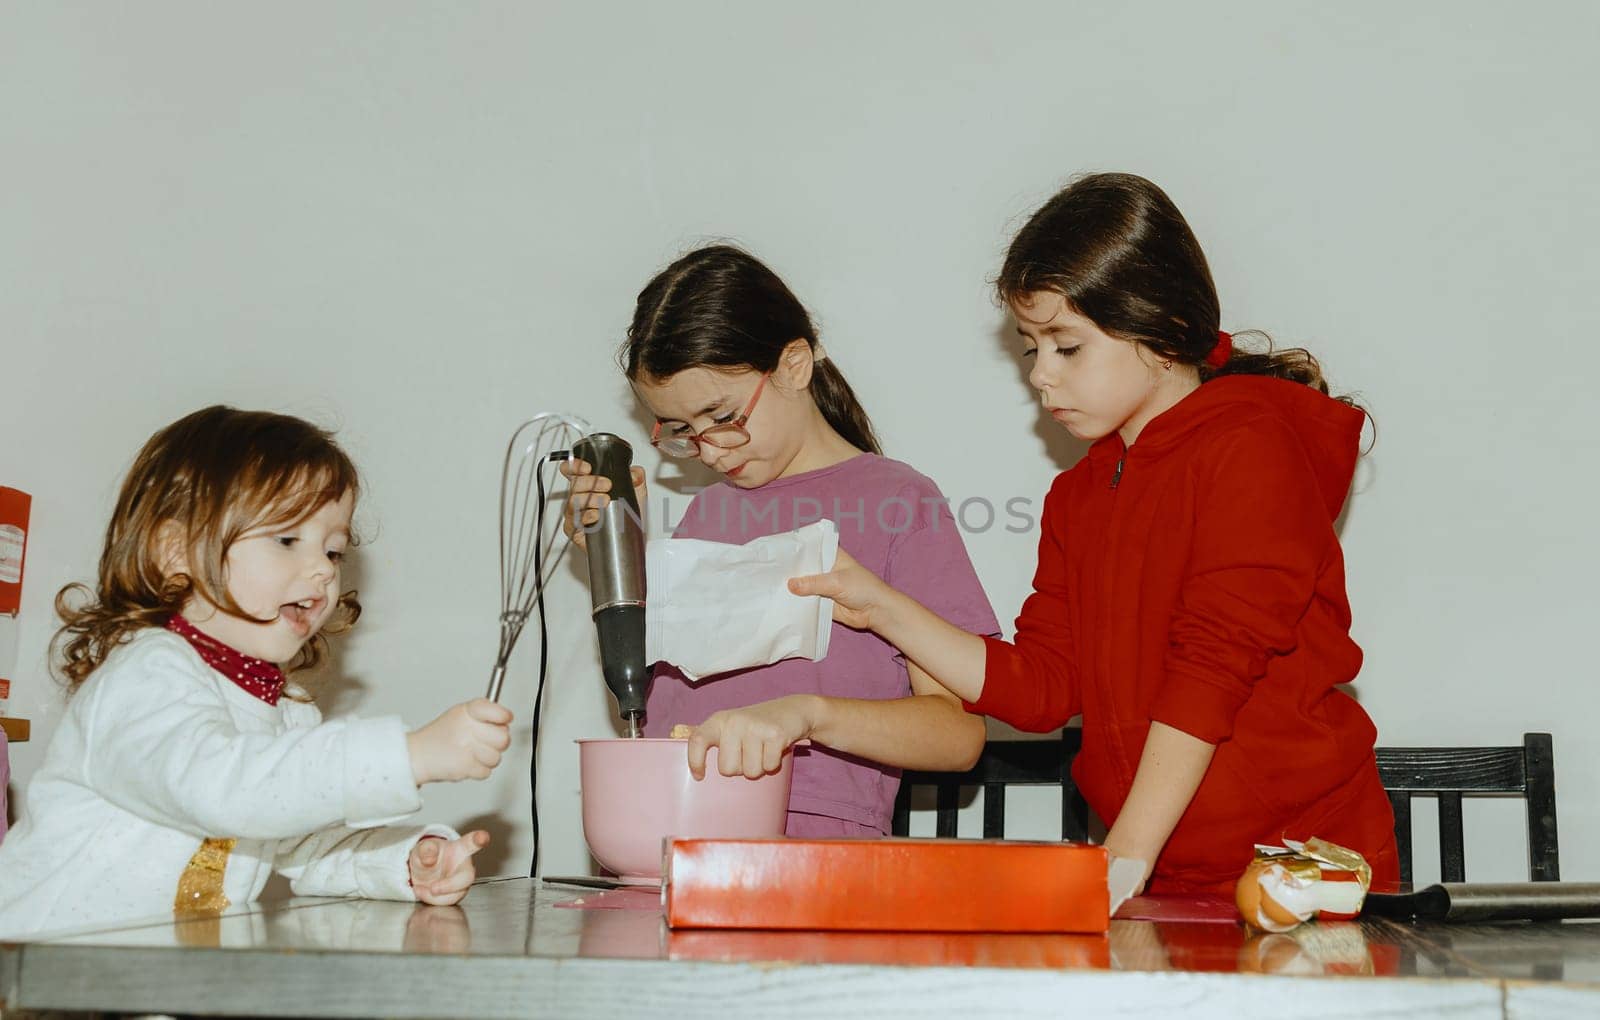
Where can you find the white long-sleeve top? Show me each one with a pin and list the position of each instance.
(157, 751)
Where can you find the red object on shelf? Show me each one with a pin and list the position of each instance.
(948, 885)
(14, 506)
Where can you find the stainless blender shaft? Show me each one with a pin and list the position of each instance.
(616, 558)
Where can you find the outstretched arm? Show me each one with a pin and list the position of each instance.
(928, 730)
(370, 863)
(1031, 683)
(945, 653)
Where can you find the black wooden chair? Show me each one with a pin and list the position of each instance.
(1449, 772)
(1003, 763)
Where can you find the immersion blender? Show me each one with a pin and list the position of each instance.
(616, 576)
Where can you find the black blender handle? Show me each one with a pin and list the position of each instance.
(610, 456)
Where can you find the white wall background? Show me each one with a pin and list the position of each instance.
(421, 223)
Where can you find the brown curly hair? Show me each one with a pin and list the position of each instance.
(202, 481)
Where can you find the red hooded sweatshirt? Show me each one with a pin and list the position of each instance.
(1195, 579)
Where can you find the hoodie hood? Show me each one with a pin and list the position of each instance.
(1329, 431)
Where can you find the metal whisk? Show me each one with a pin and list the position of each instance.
(526, 563)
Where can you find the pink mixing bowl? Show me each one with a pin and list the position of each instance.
(638, 791)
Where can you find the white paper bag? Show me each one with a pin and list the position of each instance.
(711, 607)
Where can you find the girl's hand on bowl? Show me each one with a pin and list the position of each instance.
(751, 741)
(588, 495)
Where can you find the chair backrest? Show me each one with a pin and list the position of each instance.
(1003, 763)
(1449, 772)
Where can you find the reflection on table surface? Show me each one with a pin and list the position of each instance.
(517, 917)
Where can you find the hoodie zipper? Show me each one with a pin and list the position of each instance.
(1122, 462)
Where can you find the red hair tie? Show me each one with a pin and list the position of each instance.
(1220, 353)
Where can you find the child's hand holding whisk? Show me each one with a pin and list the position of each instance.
(466, 742)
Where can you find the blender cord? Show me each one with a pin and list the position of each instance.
(544, 654)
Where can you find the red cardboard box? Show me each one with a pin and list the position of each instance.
(949, 885)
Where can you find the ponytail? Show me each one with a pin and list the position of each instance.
(1295, 364)
(840, 408)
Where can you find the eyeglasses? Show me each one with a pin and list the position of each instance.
(728, 436)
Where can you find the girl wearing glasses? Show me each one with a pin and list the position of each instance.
(727, 360)
(1190, 600)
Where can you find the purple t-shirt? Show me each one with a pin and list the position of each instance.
(895, 522)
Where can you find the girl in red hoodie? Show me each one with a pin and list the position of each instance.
(1190, 598)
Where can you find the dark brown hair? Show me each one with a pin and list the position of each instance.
(1118, 250)
(211, 476)
(719, 307)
